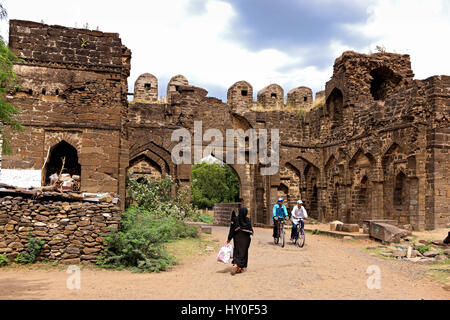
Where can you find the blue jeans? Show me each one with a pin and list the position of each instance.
(294, 228)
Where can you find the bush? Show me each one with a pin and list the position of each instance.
(139, 246)
(159, 198)
(205, 218)
(423, 249)
(34, 249)
(3, 260)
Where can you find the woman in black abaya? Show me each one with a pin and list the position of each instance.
(240, 230)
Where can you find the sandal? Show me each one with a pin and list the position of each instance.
(235, 270)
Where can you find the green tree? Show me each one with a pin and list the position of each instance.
(7, 82)
(212, 183)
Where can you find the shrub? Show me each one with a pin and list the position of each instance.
(34, 249)
(3, 260)
(423, 249)
(206, 218)
(139, 245)
(159, 198)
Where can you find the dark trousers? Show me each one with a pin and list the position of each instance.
(275, 228)
(240, 251)
(294, 228)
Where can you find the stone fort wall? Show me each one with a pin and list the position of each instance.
(376, 149)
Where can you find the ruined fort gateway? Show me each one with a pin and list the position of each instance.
(377, 149)
(72, 96)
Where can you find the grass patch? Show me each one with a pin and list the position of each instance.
(440, 271)
(185, 249)
(206, 218)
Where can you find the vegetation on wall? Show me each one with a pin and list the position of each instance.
(212, 183)
(34, 249)
(7, 82)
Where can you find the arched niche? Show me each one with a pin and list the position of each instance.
(59, 153)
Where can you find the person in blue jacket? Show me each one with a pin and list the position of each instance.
(279, 212)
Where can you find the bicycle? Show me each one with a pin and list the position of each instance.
(280, 233)
(300, 236)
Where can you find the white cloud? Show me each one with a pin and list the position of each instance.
(415, 27)
(168, 38)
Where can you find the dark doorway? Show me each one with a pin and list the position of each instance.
(57, 154)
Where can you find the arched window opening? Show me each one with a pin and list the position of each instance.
(383, 79)
(335, 106)
(62, 153)
(399, 190)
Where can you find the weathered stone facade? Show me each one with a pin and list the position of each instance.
(300, 97)
(377, 149)
(223, 212)
(73, 231)
(146, 88)
(73, 91)
(271, 96)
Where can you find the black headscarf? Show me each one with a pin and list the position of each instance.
(243, 221)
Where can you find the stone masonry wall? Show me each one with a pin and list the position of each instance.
(223, 211)
(73, 231)
(73, 90)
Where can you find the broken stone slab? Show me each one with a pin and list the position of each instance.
(440, 257)
(415, 259)
(447, 252)
(350, 227)
(367, 223)
(387, 232)
(399, 253)
(386, 254)
(333, 225)
(431, 253)
(206, 229)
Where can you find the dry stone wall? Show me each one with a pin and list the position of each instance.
(73, 232)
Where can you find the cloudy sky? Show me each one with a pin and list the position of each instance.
(215, 43)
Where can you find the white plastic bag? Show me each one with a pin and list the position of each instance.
(225, 253)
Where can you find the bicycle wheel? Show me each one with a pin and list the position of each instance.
(282, 237)
(301, 238)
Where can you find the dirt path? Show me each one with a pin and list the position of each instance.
(326, 268)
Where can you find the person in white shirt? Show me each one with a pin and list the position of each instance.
(297, 215)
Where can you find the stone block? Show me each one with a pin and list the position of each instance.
(346, 227)
(386, 232)
(334, 224)
(206, 229)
